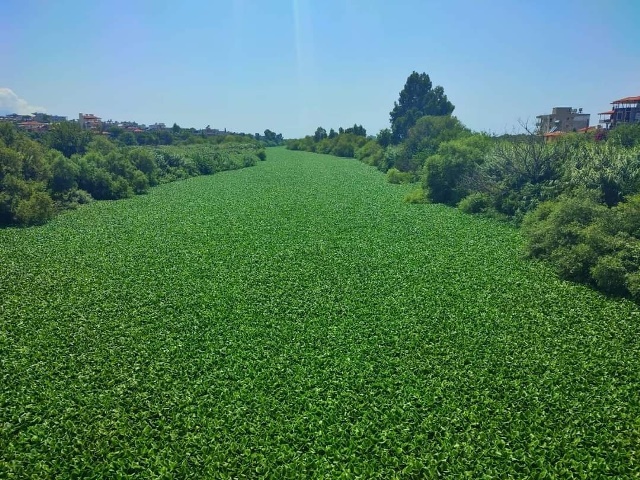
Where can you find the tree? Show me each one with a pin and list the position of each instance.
(445, 172)
(164, 137)
(427, 133)
(128, 138)
(627, 135)
(64, 174)
(358, 130)
(269, 136)
(176, 128)
(320, 134)
(384, 137)
(417, 99)
(69, 138)
(332, 134)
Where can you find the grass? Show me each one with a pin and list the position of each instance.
(298, 319)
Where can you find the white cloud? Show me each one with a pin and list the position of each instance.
(11, 103)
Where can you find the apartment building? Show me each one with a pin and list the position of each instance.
(623, 110)
(563, 119)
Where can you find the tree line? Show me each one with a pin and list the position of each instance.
(577, 199)
(343, 143)
(68, 166)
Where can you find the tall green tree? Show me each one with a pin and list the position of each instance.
(417, 99)
(69, 138)
(320, 134)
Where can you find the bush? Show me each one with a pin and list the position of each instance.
(574, 262)
(416, 196)
(72, 199)
(396, 176)
(64, 174)
(633, 285)
(371, 153)
(393, 155)
(475, 203)
(625, 135)
(140, 182)
(145, 161)
(588, 242)
(36, 210)
(609, 274)
(248, 160)
(608, 168)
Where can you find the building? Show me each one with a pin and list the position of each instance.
(46, 118)
(562, 119)
(551, 136)
(624, 110)
(33, 126)
(88, 121)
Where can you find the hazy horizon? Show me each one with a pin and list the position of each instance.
(292, 66)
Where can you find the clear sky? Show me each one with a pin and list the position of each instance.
(294, 65)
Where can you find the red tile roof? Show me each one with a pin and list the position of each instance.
(554, 134)
(627, 100)
(610, 112)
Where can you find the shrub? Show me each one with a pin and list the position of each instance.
(416, 195)
(392, 156)
(36, 210)
(64, 174)
(633, 285)
(72, 199)
(609, 274)
(139, 182)
(396, 176)
(475, 203)
(145, 161)
(248, 160)
(574, 262)
(371, 153)
(607, 168)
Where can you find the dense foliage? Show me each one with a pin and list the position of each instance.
(417, 99)
(296, 319)
(37, 181)
(343, 143)
(514, 177)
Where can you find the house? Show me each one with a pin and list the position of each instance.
(624, 110)
(551, 136)
(33, 126)
(562, 119)
(88, 121)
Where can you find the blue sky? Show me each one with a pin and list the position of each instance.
(294, 65)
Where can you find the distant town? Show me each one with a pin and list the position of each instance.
(41, 122)
(560, 121)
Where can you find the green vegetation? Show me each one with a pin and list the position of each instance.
(344, 143)
(519, 178)
(297, 319)
(36, 181)
(417, 99)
